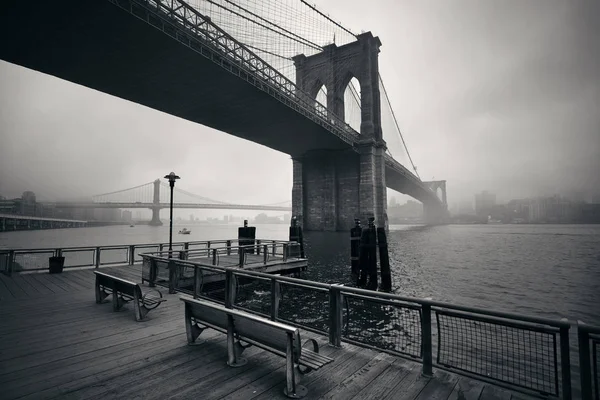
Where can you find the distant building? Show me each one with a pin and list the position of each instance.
(484, 203)
(553, 209)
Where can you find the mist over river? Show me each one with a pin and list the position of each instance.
(545, 270)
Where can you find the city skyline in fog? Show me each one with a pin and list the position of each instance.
(489, 97)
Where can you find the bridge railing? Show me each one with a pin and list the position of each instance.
(523, 353)
(22, 260)
(589, 360)
(195, 30)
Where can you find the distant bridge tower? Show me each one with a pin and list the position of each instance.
(331, 188)
(433, 213)
(156, 205)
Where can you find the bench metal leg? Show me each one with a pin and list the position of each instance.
(192, 330)
(117, 301)
(292, 375)
(101, 294)
(140, 309)
(233, 359)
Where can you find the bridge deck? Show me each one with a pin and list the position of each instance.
(57, 342)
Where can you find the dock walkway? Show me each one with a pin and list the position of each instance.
(57, 343)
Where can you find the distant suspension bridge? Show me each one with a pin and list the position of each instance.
(149, 195)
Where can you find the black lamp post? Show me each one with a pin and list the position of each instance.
(172, 178)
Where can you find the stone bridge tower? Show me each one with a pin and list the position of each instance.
(155, 221)
(331, 188)
(433, 213)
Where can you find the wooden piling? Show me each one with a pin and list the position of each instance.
(355, 234)
(296, 236)
(368, 257)
(384, 261)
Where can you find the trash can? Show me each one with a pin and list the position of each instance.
(56, 265)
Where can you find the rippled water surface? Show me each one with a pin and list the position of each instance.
(545, 270)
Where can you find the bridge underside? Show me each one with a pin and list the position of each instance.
(98, 45)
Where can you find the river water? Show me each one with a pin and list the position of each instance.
(544, 270)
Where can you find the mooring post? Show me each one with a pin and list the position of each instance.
(296, 236)
(97, 261)
(355, 234)
(246, 237)
(384, 261)
(368, 257)
(228, 247)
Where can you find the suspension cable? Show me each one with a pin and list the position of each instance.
(398, 126)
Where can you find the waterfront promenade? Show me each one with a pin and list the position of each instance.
(58, 343)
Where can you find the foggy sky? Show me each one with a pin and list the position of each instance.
(497, 95)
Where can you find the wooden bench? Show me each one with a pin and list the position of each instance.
(275, 337)
(124, 291)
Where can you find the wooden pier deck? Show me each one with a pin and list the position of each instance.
(57, 343)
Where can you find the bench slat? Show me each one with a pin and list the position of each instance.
(314, 360)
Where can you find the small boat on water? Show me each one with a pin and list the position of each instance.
(185, 231)
(131, 226)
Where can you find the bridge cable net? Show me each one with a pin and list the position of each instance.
(277, 30)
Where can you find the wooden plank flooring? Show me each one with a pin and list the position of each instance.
(57, 343)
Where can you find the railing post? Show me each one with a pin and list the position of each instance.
(285, 252)
(258, 246)
(585, 364)
(11, 262)
(186, 246)
(229, 288)
(214, 257)
(265, 254)
(160, 247)
(195, 282)
(565, 361)
(97, 262)
(153, 273)
(426, 342)
(208, 244)
(228, 247)
(182, 255)
(274, 249)
(172, 276)
(336, 313)
(275, 297)
(242, 255)
(131, 254)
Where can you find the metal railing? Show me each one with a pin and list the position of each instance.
(588, 338)
(19, 260)
(521, 353)
(191, 28)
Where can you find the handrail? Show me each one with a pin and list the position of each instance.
(543, 337)
(130, 253)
